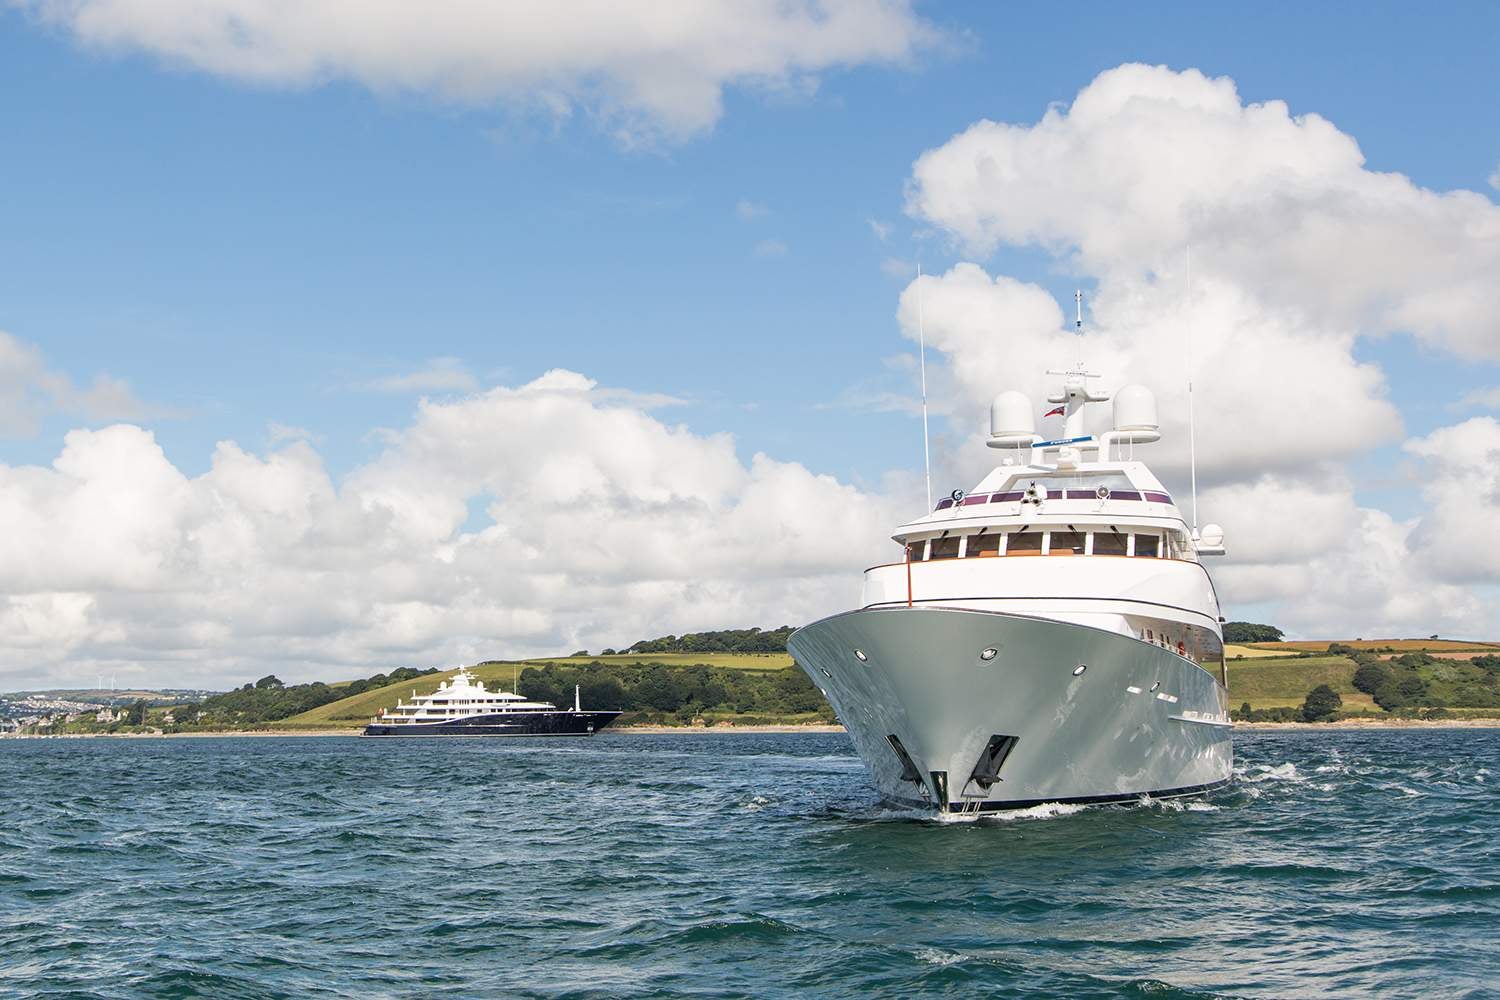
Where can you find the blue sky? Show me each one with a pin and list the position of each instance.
(308, 253)
(245, 255)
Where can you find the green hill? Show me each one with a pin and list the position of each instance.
(1264, 681)
(1267, 682)
(359, 709)
(1374, 681)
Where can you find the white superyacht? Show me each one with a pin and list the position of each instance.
(1050, 636)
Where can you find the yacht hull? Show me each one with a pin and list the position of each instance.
(502, 724)
(939, 726)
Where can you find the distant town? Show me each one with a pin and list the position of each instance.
(33, 710)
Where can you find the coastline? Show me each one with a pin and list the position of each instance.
(1376, 724)
(642, 730)
(655, 730)
(659, 730)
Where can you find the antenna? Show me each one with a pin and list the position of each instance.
(1192, 436)
(1078, 323)
(922, 353)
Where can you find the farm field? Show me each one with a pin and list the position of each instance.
(1232, 650)
(1399, 645)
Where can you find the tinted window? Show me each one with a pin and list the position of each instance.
(1066, 543)
(1146, 545)
(984, 545)
(1023, 542)
(945, 548)
(1109, 543)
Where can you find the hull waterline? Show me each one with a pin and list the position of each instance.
(512, 724)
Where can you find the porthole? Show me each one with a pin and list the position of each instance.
(1078, 670)
(988, 653)
(859, 654)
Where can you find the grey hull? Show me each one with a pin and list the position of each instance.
(924, 709)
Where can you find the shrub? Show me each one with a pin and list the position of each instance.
(1321, 704)
(1370, 676)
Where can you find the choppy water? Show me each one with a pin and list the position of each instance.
(751, 865)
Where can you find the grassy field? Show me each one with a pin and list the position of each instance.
(356, 711)
(1275, 683)
(1400, 645)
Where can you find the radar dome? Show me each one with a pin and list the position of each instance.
(1213, 535)
(1012, 420)
(1135, 415)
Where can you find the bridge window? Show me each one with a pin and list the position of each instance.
(1110, 542)
(945, 548)
(1024, 543)
(984, 545)
(1147, 545)
(1065, 543)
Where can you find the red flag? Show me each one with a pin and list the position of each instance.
(1056, 412)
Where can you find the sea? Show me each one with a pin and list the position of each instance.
(1338, 863)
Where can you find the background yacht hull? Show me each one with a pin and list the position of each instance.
(1085, 737)
(514, 724)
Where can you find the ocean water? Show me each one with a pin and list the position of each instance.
(1338, 863)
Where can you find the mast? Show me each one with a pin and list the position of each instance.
(1192, 435)
(1078, 323)
(922, 354)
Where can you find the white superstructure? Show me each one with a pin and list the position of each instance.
(1050, 635)
(457, 699)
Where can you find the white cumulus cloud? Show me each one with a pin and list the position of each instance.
(1297, 253)
(597, 524)
(1147, 161)
(1459, 534)
(645, 69)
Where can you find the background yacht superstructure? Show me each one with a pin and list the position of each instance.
(463, 706)
(1049, 636)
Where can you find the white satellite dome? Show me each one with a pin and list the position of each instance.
(1135, 415)
(1012, 420)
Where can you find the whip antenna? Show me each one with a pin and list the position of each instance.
(1192, 436)
(1078, 323)
(922, 353)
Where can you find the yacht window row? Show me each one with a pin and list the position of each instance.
(1067, 541)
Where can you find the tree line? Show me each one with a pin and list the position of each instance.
(1241, 633)
(679, 691)
(1423, 680)
(269, 700)
(728, 640)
